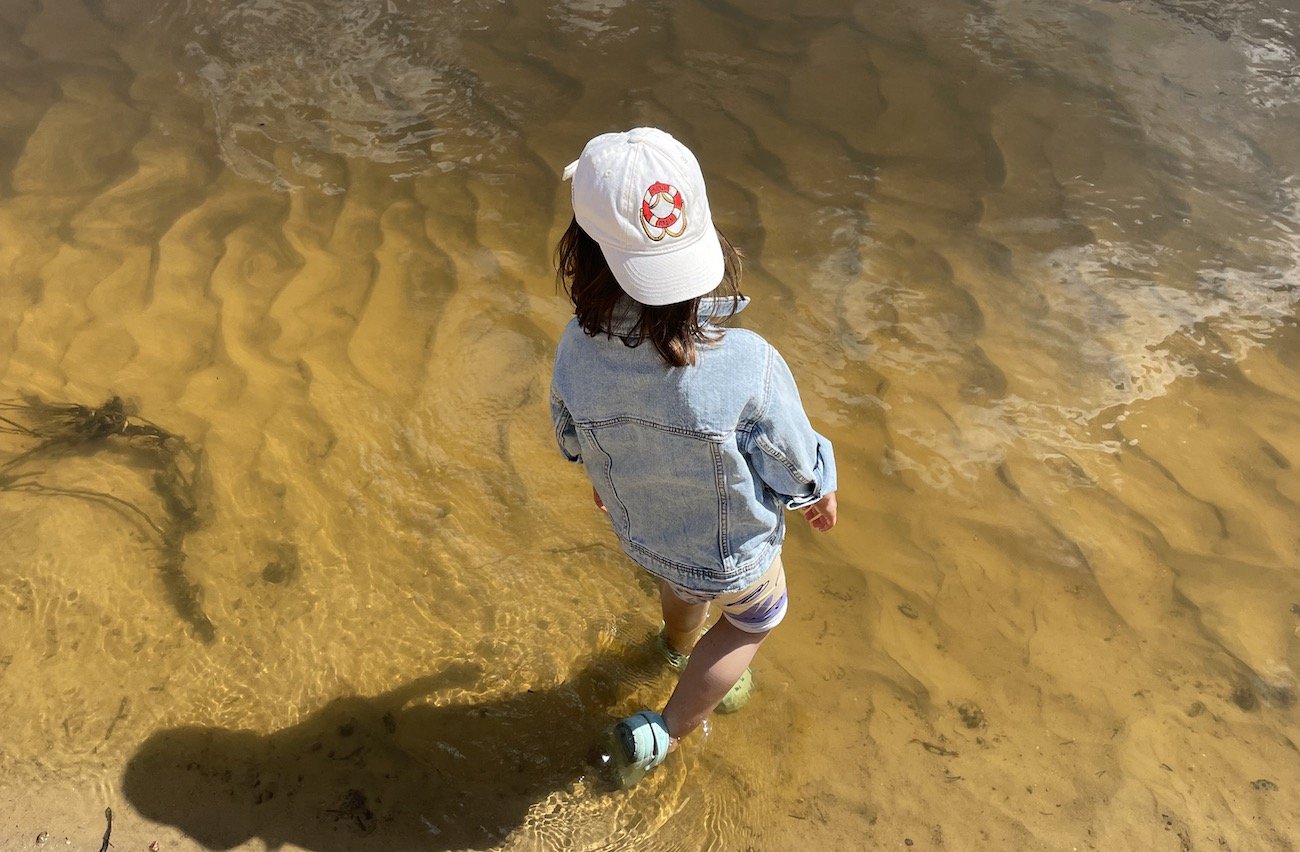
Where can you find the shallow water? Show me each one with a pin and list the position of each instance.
(1034, 265)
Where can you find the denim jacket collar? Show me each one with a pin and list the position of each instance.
(626, 314)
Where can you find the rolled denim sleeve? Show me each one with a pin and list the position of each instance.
(566, 435)
(792, 459)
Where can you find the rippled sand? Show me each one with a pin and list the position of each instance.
(1033, 264)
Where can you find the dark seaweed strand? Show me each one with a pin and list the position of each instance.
(108, 831)
(178, 479)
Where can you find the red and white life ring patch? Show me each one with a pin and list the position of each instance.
(663, 212)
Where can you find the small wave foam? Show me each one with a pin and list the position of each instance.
(1113, 324)
(590, 20)
(1178, 261)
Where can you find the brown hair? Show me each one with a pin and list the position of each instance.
(674, 329)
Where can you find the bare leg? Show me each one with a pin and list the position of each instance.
(682, 620)
(717, 662)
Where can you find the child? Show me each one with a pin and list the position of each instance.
(693, 437)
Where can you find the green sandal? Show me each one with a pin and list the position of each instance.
(675, 659)
(738, 695)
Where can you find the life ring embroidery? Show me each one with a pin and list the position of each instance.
(663, 212)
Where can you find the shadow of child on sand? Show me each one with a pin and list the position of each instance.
(375, 773)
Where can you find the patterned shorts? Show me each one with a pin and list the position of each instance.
(755, 609)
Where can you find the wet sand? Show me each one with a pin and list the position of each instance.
(1033, 265)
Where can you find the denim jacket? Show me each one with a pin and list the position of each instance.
(695, 464)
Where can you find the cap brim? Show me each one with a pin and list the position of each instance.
(666, 278)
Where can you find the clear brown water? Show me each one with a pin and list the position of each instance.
(1034, 265)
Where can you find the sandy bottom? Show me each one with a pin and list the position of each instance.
(1033, 265)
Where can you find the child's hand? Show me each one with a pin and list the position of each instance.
(821, 515)
(599, 503)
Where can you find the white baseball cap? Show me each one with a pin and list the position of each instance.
(640, 195)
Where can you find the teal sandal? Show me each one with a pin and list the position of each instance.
(637, 744)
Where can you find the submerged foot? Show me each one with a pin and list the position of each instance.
(634, 746)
